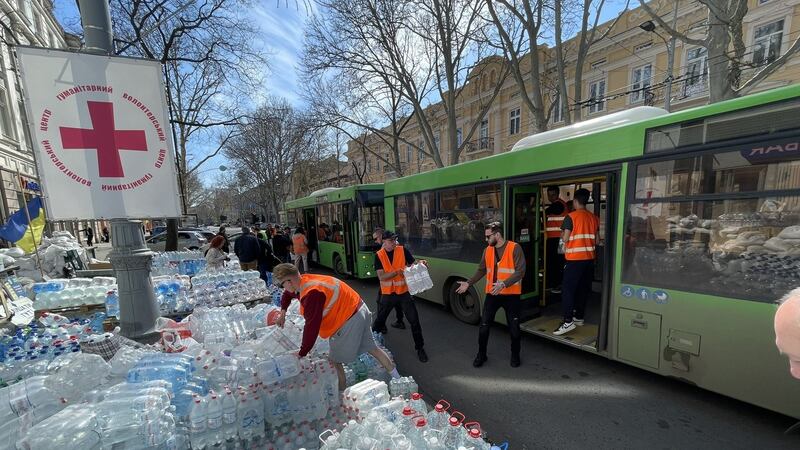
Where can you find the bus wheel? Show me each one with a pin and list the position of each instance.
(338, 267)
(466, 307)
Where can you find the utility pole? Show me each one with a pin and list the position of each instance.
(671, 61)
(130, 257)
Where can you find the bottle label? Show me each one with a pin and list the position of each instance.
(214, 422)
(229, 418)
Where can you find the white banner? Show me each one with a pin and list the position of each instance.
(101, 134)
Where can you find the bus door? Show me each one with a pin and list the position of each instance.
(310, 222)
(350, 237)
(525, 231)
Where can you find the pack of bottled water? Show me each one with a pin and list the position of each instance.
(69, 293)
(403, 387)
(417, 278)
(178, 263)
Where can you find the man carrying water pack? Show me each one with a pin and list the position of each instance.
(332, 310)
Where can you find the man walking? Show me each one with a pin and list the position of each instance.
(579, 235)
(300, 249)
(503, 264)
(377, 235)
(390, 261)
(247, 249)
(281, 245)
(555, 213)
(334, 310)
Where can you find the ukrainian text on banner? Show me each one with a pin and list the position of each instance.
(101, 135)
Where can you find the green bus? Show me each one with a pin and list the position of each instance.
(699, 236)
(339, 223)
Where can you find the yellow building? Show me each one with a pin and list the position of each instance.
(627, 68)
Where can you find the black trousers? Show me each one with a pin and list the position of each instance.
(555, 264)
(576, 288)
(511, 304)
(406, 302)
(398, 308)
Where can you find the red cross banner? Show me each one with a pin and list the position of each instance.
(101, 135)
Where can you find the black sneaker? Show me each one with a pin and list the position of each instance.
(515, 362)
(423, 357)
(399, 324)
(479, 360)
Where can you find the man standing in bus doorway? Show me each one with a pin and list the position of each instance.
(503, 264)
(300, 249)
(390, 261)
(787, 330)
(377, 235)
(555, 213)
(579, 234)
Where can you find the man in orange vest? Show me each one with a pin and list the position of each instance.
(300, 249)
(580, 230)
(377, 235)
(555, 213)
(390, 261)
(503, 264)
(332, 310)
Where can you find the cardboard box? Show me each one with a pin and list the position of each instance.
(100, 266)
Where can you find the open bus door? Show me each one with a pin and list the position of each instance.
(310, 222)
(524, 228)
(350, 236)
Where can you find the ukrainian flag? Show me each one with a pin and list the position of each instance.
(18, 231)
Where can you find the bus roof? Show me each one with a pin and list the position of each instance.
(333, 194)
(616, 142)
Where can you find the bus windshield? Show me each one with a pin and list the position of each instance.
(369, 218)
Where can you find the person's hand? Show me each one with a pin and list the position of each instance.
(423, 262)
(281, 320)
(298, 355)
(499, 286)
(462, 287)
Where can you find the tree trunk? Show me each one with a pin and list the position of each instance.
(172, 235)
(560, 69)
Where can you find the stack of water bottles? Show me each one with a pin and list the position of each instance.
(178, 263)
(400, 422)
(173, 293)
(70, 293)
(417, 278)
(228, 287)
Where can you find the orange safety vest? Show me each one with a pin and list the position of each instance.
(582, 238)
(396, 285)
(552, 227)
(505, 268)
(299, 244)
(341, 301)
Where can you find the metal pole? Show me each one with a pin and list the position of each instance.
(30, 225)
(129, 255)
(670, 61)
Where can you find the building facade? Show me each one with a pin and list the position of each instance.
(627, 68)
(31, 23)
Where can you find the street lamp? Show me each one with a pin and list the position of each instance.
(221, 168)
(650, 27)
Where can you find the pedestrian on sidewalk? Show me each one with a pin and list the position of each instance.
(300, 249)
(377, 235)
(579, 234)
(106, 235)
(281, 245)
(332, 309)
(89, 236)
(247, 248)
(266, 260)
(503, 264)
(390, 261)
(215, 257)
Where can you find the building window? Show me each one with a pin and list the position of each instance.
(369, 165)
(408, 153)
(767, 42)
(696, 71)
(558, 109)
(597, 64)
(514, 121)
(640, 82)
(459, 137)
(437, 140)
(597, 95)
(484, 134)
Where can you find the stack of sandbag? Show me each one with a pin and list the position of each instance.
(51, 254)
(787, 242)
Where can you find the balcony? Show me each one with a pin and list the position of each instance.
(484, 144)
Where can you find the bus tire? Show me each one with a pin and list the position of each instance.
(465, 307)
(338, 267)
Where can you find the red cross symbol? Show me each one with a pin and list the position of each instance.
(104, 138)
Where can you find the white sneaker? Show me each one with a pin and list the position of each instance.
(578, 322)
(564, 328)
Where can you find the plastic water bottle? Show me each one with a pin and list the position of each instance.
(229, 424)
(198, 419)
(418, 404)
(439, 418)
(214, 411)
(474, 437)
(454, 432)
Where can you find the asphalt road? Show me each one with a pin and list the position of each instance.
(567, 398)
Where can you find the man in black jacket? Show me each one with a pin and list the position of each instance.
(266, 260)
(281, 245)
(247, 249)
